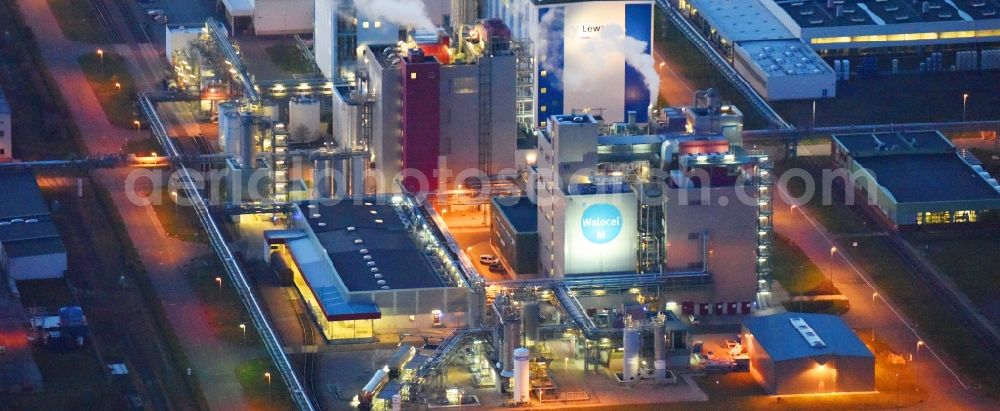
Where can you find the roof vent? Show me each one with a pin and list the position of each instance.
(380, 282)
(359, 241)
(385, 287)
(351, 228)
(367, 258)
(370, 263)
(321, 224)
(377, 276)
(316, 215)
(363, 251)
(807, 332)
(374, 269)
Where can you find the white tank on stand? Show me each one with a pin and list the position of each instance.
(522, 380)
(632, 342)
(229, 127)
(303, 119)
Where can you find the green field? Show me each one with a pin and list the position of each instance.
(830, 211)
(970, 257)
(288, 58)
(110, 79)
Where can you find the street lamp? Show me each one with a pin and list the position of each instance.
(833, 250)
(118, 86)
(244, 328)
(138, 127)
(218, 280)
(267, 375)
(173, 196)
(920, 343)
(874, 296)
(100, 53)
(965, 100)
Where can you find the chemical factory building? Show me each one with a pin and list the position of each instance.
(6, 149)
(30, 245)
(374, 265)
(798, 353)
(515, 232)
(568, 41)
(443, 112)
(918, 178)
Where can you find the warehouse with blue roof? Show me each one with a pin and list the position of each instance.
(30, 245)
(799, 353)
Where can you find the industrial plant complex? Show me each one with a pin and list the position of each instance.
(495, 204)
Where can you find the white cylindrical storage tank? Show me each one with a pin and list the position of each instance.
(632, 342)
(229, 130)
(303, 119)
(269, 109)
(660, 350)
(522, 381)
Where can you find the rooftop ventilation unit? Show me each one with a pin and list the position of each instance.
(807, 332)
(351, 228)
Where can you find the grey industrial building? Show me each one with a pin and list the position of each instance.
(30, 245)
(798, 353)
(918, 178)
(515, 232)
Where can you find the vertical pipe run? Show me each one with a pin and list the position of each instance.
(247, 149)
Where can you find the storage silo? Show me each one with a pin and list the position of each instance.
(522, 380)
(303, 119)
(632, 344)
(230, 133)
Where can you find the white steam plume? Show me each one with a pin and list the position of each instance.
(548, 34)
(612, 39)
(401, 12)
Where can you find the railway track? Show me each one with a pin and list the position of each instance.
(109, 23)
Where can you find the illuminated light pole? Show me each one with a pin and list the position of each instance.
(173, 196)
(920, 343)
(138, 127)
(833, 250)
(267, 376)
(100, 53)
(874, 296)
(965, 101)
(218, 280)
(244, 328)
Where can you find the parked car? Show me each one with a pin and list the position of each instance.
(488, 259)
(497, 268)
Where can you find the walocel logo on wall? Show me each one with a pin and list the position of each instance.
(601, 223)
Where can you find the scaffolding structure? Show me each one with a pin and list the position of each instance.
(525, 84)
(763, 183)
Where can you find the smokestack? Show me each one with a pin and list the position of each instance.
(247, 149)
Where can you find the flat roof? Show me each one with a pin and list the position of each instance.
(22, 231)
(790, 57)
(350, 231)
(39, 246)
(894, 142)
(21, 196)
(321, 278)
(741, 20)
(239, 7)
(782, 341)
(815, 13)
(919, 178)
(522, 213)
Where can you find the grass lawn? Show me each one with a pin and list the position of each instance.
(113, 86)
(251, 375)
(830, 211)
(691, 64)
(144, 146)
(288, 58)
(73, 381)
(800, 277)
(968, 256)
(936, 323)
(223, 307)
(78, 20)
(178, 220)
